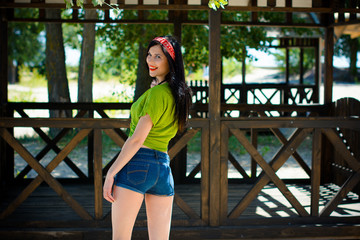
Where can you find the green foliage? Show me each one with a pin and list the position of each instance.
(294, 59)
(216, 4)
(24, 44)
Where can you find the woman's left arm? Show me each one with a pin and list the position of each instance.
(131, 146)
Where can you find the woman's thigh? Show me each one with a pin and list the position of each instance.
(159, 211)
(124, 211)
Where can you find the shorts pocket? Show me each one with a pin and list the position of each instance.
(137, 172)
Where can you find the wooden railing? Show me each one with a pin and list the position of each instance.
(316, 128)
(255, 94)
(97, 127)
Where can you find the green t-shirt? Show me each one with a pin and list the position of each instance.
(159, 103)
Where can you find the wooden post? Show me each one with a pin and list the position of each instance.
(6, 172)
(317, 76)
(328, 71)
(98, 177)
(214, 114)
(316, 173)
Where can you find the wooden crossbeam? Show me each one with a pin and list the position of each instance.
(44, 173)
(185, 207)
(349, 184)
(237, 166)
(296, 155)
(51, 144)
(269, 171)
(352, 181)
(182, 142)
(195, 170)
(117, 130)
(341, 148)
(295, 140)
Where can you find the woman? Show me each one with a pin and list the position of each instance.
(142, 168)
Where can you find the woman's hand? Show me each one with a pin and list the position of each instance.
(108, 189)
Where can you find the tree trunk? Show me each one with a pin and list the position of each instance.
(143, 78)
(354, 46)
(86, 67)
(11, 72)
(58, 87)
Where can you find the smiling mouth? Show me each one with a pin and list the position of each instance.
(152, 68)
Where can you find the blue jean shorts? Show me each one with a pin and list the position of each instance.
(147, 172)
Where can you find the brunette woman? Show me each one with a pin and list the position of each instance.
(142, 169)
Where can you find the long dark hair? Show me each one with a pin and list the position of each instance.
(176, 79)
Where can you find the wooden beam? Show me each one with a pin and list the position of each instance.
(205, 171)
(98, 176)
(276, 163)
(214, 114)
(44, 174)
(270, 172)
(319, 9)
(5, 163)
(316, 173)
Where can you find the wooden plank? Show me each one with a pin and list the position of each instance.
(224, 157)
(288, 122)
(115, 137)
(215, 79)
(119, 131)
(254, 141)
(277, 162)
(349, 184)
(296, 155)
(6, 163)
(269, 172)
(195, 170)
(329, 52)
(341, 148)
(182, 142)
(51, 144)
(98, 177)
(44, 174)
(185, 207)
(238, 167)
(64, 123)
(315, 173)
(205, 172)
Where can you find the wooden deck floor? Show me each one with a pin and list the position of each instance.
(44, 215)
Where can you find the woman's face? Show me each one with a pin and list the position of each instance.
(157, 63)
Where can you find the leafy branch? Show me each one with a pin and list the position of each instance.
(213, 4)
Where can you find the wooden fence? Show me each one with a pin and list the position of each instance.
(231, 209)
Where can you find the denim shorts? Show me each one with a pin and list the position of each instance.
(147, 172)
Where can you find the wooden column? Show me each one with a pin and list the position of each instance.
(214, 115)
(328, 68)
(316, 97)
(6, 172)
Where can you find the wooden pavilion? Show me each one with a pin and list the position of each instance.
(325, 205)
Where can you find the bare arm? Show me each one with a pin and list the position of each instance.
(131, 146)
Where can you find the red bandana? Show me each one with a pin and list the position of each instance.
(167, 45)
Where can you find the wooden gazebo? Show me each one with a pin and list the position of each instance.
(324, 205)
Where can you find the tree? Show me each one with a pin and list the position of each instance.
(128, 43)
(25, 46)
(348, 47)
(58, 87)
(86, 66)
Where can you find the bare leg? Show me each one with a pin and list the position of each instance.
(158, 211)
(124, 212)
